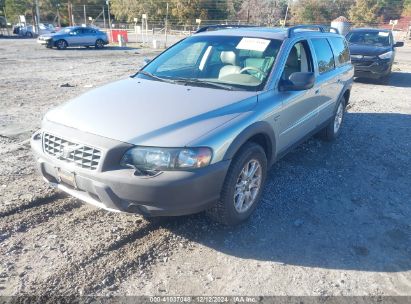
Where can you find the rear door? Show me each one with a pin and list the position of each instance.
(327, 79)
(344, 68)
(90, 36)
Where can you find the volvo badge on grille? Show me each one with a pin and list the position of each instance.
(65, 153)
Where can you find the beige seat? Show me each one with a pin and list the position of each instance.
(292, 65)
(230, 67)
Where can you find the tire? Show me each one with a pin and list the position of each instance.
(61, 44)
(229, 210)
(384, 79)
(99, 44)
(333, 129)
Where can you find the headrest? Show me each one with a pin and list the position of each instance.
(228, 57)
(292, 60)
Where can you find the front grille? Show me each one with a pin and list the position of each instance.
(362, 63)
(70, 152)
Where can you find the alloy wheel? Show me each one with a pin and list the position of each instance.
(248, 186)
(338, 117)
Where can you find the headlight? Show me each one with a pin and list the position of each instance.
(166, 159)
(385, 55)
(356, 56)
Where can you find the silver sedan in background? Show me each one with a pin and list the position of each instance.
(75, 36)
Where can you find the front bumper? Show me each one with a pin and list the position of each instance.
(45, 42)
(114, 188)
(371, 68)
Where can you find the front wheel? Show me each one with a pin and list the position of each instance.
(242, 187)
(333, 129)
(61, 44)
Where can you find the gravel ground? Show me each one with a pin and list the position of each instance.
(334, 218)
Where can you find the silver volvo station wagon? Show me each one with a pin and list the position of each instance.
(198, 127)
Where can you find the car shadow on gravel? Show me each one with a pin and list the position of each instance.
(396, 79)
(340, 205)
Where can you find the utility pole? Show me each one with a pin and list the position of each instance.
(5, 17)
(37, 17)
(69, 13)
(104, 17)
(58, 15)
(109, 19)
(286, 13)
(85, 15)
(166, 27)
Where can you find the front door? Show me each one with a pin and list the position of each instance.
(299, 112)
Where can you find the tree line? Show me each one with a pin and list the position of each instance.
(186, 12)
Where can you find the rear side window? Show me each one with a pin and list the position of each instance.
(325, 56)
(342, 53)
(90, 31)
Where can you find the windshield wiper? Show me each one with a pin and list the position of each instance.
(145, 73)
(205, 82)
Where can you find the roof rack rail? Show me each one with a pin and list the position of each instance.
(319, 28)
(216, 27)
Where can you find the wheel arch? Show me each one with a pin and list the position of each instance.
(261, 133)
(346, 93)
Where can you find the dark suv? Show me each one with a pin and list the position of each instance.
(372, 52)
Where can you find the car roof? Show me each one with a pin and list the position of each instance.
(261, 32)
(364, 29)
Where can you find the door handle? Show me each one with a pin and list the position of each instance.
(317, 91)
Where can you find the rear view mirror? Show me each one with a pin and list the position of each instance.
(298, 81)
(399, 44)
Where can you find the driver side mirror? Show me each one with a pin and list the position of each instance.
(298, 81)
(399, 44)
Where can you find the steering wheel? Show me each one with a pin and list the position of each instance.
(250, 68)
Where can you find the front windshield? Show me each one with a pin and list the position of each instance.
(370, 38)
(236, 62)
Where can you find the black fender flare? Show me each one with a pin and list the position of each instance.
(257, 128)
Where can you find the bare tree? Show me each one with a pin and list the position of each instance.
(263, 12)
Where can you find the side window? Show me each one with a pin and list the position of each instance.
(325, 57)
(341, 50)
(299, 60)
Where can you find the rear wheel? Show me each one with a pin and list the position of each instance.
(242, 187)
(99, 44)
(61, 44)
(333, 129)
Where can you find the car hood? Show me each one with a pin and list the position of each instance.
(47, 35)
(152, 113)
(368, 50)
